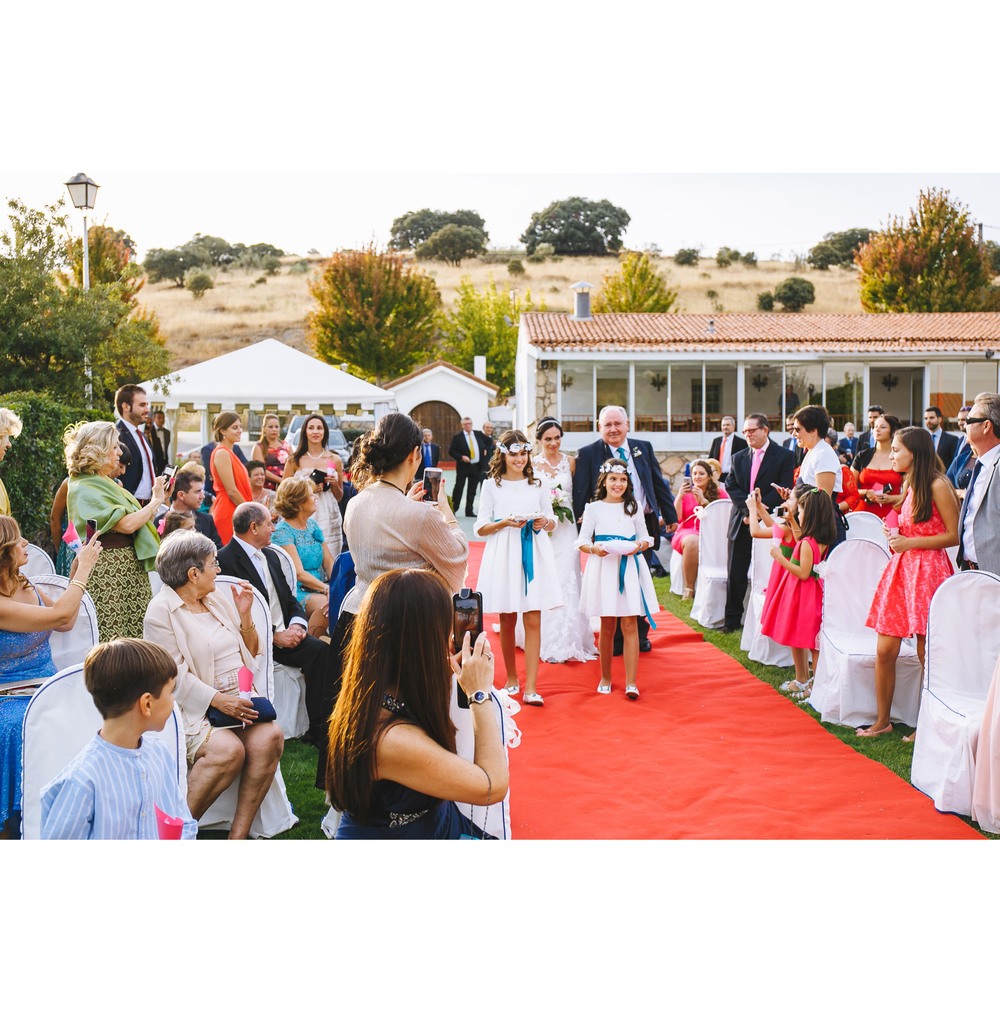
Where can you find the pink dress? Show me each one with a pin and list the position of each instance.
(903, 598)
(689, 523)
(793, 607)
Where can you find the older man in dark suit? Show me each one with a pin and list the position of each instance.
(760, 465)
(651, 491)
(726, 445)
(430, 453)
(979, 522)
(249, 556)
(467, 450)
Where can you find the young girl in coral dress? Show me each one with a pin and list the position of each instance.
(928, 523)
(793, 604)
(617, 584)
(518, 574)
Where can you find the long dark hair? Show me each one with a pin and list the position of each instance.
(923, 471)
(398, 647)
(712, 487)
(304, 439)
(601, 492)
(384, 448)
(818, 518)
(498, 462)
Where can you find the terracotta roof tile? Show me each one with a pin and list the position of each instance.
(775, 332)
(434, 365)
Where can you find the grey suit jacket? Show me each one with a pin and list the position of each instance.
(986, 525)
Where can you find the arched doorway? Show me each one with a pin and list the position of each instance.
(441, 418)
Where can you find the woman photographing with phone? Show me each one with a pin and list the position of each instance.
(878, 482)
(392, 769)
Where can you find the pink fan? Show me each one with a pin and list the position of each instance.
(72, 539)
(245, 678)
(168, 826)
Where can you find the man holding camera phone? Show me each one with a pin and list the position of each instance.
(762, 465)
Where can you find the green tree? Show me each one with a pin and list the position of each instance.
(171, 264)
(993, 255)
(795, 293)
(765, 301)
(823, 256)
(50, 327)
(110, 251)
(452, 244)
(198, 280)
(485, 322)
(374, 313)
(414, 228)
(637, 286)
(687, 257)
(578, 227)
(838, 248)
(929, 262)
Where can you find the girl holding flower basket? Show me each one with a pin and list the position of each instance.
(566, 633)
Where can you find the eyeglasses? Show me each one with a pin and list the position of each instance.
(795, 428)
(214, 563)
(747, 431)
(975, 421)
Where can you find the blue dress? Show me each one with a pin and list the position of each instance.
(401, 813)
(309, 544)
(23, 655)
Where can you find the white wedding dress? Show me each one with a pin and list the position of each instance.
(566, 633)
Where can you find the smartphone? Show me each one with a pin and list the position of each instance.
(91, 531)
(467, 617)
(168, 473)
(432, 483)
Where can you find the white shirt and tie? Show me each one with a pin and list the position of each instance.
(473, 447)
(726, 453)
(624, 453)
(259, 562)
(144, 489)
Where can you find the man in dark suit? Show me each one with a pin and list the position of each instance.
(159, 436)
(866, 439)
(467, 449)
(186, 496)
(132, 405)
(430, 453)
(760, 465)
(979, 521)
(945, 444)
(489, 445)
(651, 491)
(791, 442)
(725, 445)
(248, 556)
(847, 446)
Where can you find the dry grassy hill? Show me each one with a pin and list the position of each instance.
(237, 312)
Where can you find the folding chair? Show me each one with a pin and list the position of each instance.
(289, 682)
(60, 719)
(963, 642)
(70, 647)
(843, 689)
(275, 814)
(709, 608)
(760, 647)
(39, 563)
(865, 526)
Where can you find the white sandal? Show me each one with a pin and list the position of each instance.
(533, 699)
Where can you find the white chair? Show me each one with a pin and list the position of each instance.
(963, 642)
(38, 564)
(70, 647)
(289, 682)
(60, 719)
(275, 814)
(155, 583)
(676, 568)
(758, 646)
(865, 526)
(709, 608)
(843, 690)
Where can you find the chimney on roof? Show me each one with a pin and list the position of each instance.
(479, 367)
(581, 293)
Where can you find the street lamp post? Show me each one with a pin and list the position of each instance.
(83, 193)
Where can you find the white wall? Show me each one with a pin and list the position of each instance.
(468, 398)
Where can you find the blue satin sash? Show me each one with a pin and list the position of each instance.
(623, 565)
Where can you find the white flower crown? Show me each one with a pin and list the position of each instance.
(613, 467)
(514, 447)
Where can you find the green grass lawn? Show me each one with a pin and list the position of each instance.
(298, 764)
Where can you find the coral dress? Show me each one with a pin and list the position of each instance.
(869, 480)
(793, 607)
(903, 598)
(223, 507)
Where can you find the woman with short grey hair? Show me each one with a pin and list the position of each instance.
(210, 634)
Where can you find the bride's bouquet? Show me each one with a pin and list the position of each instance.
(562, 505)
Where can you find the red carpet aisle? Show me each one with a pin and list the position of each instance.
(707, 752)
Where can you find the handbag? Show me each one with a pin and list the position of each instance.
(222, 721)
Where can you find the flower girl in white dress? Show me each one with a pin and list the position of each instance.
(518, 573)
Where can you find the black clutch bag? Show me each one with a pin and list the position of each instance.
(222, 721)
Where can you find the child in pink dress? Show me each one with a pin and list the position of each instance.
(793, 607)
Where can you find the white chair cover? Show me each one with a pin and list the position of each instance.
(758, 646)
(275, 814)
(675, 566)
(155, 583)
(844, 687)
(39, 563)
(289, 682)
(865, 526)
(61, 718)
(963, 642)
(70, 647)
(709, 608)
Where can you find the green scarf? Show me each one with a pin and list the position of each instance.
(105, 502)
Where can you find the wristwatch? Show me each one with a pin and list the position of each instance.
(478, 697)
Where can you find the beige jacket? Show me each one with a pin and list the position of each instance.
(170, 625)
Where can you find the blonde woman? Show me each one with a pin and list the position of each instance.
(10, 428)
(272, 451)
(120, 582)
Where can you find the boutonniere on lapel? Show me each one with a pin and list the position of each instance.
(636, 453)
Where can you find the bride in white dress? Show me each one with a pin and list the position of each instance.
(566, 633)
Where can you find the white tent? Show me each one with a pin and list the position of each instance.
(266, 376)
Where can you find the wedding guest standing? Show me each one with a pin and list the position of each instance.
(314, 459)
(467, 450)
(229, 474)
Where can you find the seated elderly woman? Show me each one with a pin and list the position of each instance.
(300, 535)
(210, 635)
(696, 492)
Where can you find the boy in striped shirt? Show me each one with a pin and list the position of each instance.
(113, 786)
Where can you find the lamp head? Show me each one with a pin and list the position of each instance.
(82, 191)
